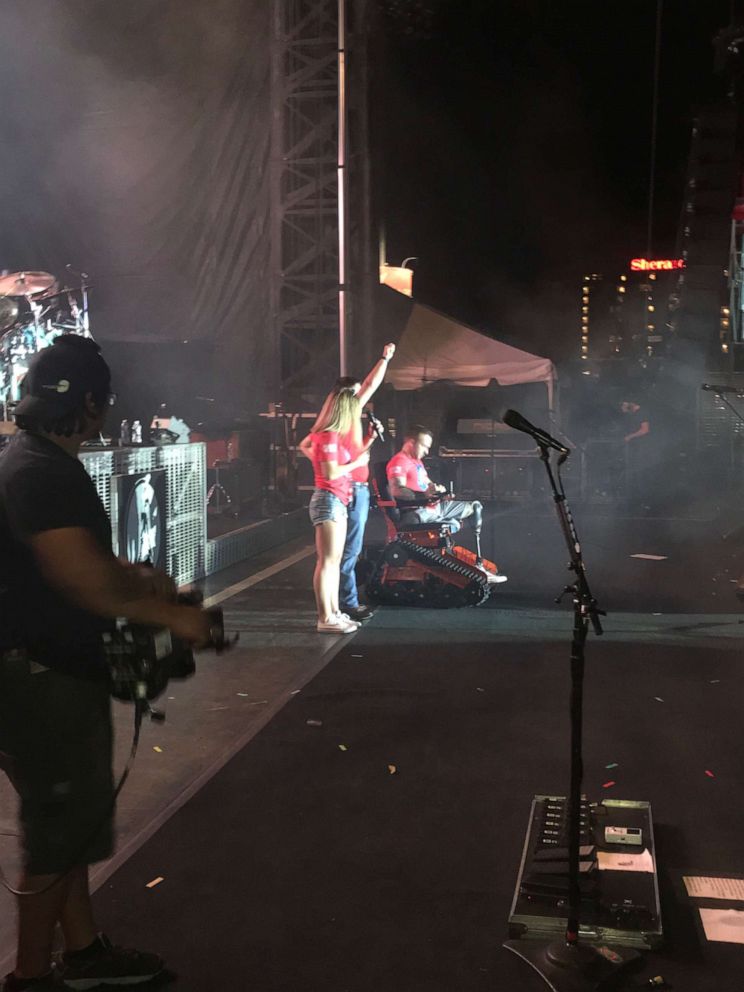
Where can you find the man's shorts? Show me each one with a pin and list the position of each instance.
(56, 746)
(325, 505)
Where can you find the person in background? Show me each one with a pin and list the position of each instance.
(636, 431)
(635, 421)
(332, 466)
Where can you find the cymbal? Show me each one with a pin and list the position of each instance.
(26, 283)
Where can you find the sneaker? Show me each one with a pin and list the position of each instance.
(47, 983)
(360, 613)
(104, 964)
(337, 625)
(494, 578)
(347, 619)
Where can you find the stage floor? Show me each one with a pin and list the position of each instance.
(292, 857)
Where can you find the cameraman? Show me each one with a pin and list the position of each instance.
(60, 588)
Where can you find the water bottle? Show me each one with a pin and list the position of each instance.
(124, 435)
(136, 432)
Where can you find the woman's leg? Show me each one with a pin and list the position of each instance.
(329, 546)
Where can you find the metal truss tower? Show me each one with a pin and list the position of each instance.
(304, 194)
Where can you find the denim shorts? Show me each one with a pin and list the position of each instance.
(325, 505)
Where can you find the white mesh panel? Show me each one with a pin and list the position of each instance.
(186, 525)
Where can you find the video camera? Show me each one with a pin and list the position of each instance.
(143, 659)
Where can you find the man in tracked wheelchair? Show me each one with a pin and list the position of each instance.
(60, 589)
(409, 481)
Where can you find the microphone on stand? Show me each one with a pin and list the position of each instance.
(513, 419)
(736, 390)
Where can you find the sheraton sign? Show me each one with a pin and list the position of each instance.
(656, 264)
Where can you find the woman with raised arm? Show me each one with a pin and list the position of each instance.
(358, 505)
(333, 465)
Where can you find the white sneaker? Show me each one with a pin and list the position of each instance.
(494, 578)
(336, 626)
(347, 619)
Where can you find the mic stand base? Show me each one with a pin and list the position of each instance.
(576, 967)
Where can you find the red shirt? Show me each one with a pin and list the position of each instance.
(327, 446)
(361, 472)
(416, 477)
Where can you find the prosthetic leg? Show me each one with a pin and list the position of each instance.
(477, 527)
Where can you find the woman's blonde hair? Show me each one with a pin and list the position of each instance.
(341, 413)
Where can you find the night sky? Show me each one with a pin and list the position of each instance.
(513, 147)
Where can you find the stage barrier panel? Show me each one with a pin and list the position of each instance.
(185, 511)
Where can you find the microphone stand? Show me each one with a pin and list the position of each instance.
(730, 405)
(568, 965)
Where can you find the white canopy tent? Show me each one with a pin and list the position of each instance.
(434, 347)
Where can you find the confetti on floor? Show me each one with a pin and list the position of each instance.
(242, 693)
(158, 749)
(607, 785)
(295, 691)
(154, 882)
(658, 699)
(343, 747)
(709, 773)
(478, 689)
(357, 656)
(392, 769)
(651, 557)
(612, 764)
(714, 681)
(314, 723)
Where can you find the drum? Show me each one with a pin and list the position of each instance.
(34, 312)
(16, 349)
(19, 343)
(8, 313)
(17, 374)
(62, 312)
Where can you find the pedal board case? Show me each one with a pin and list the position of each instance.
(618, 906)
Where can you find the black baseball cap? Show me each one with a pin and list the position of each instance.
(59, 376)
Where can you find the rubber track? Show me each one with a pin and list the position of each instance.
(474, 593)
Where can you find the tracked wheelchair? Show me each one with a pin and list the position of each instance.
(419, 564)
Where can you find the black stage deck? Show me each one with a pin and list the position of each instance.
(368, 836)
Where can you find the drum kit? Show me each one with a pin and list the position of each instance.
(34, 311)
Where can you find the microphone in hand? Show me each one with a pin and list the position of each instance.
(376, 427)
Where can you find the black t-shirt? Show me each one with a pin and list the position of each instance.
(44, 488)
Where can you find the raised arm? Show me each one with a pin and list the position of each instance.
(375, 378)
